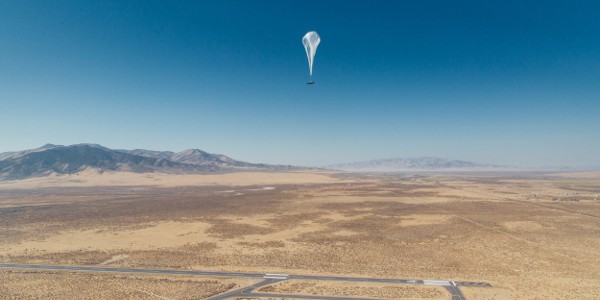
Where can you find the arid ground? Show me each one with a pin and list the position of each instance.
(532, 236)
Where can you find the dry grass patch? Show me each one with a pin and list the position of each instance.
(66, 285)
(155, 236)
(522, 226)
(416, 220)
(349, 289)
(91, 178)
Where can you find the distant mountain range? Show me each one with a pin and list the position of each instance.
(412, 164)
(59, 159)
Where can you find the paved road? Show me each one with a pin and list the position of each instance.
(245, 291)
(296, 296)
(450, 286)
(455, 291)
(132, 270)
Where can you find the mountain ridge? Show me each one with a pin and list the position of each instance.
(59, 159)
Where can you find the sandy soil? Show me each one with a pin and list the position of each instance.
(372, 290)
(591, 175)
(67, 285)
(90, 178)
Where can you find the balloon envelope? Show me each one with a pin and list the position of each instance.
(311, 41)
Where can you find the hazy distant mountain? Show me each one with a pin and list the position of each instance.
(57, 159)
(418, 163)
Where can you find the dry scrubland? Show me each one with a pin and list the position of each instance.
(371, 290)
(65, 285)
(534, 236)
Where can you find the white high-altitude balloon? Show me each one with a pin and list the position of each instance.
(311, 41)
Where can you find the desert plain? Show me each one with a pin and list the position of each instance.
(530, 235)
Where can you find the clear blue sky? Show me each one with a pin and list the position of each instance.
(504, 82)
